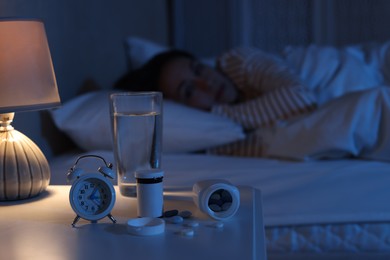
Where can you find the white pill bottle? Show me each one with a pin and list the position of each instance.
(150, 201)
(217, 198)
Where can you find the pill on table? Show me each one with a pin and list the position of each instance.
(192, 224)
(217, 224)
(170, 213)
(185, 214)
(188, 232)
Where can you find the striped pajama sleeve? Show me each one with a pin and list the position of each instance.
(273, 93)
(266, 110)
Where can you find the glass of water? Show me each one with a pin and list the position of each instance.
(136, 119)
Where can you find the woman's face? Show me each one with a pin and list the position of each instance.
(194, 84)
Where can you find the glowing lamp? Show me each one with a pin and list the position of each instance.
(27, 82)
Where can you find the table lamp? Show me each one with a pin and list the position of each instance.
(27, 82)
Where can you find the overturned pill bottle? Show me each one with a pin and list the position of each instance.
(217, 198)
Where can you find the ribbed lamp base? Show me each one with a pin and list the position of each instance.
(24, 170)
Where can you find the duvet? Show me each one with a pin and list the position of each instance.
(354, 125)
(351, 85)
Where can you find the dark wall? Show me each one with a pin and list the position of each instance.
(208, 27)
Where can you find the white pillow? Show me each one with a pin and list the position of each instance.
(86, 120)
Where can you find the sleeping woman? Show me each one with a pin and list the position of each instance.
(278, 112)
(255, 89)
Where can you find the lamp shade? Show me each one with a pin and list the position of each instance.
(27, 79)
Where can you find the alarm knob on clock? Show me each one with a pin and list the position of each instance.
(92, 195)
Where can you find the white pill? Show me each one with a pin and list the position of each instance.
(187, 232)
(217, 224)
(192, 224)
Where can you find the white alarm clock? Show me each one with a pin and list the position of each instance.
(92, 195)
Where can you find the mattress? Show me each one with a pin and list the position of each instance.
(325, 209)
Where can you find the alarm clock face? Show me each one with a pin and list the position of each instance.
(92, 196)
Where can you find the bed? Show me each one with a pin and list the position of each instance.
(319, 202)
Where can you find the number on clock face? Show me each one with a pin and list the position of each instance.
(93, 196)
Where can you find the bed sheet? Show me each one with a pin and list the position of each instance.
(294, 193)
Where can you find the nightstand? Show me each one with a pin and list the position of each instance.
(40, 228)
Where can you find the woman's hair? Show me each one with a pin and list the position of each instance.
(147, 77)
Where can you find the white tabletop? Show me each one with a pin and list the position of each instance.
(40, 228)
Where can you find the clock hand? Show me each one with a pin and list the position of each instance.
(92, 196)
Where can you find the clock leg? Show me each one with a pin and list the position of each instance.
(75, 220)
(112, 218)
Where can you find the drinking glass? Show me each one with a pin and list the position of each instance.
(136, 119)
